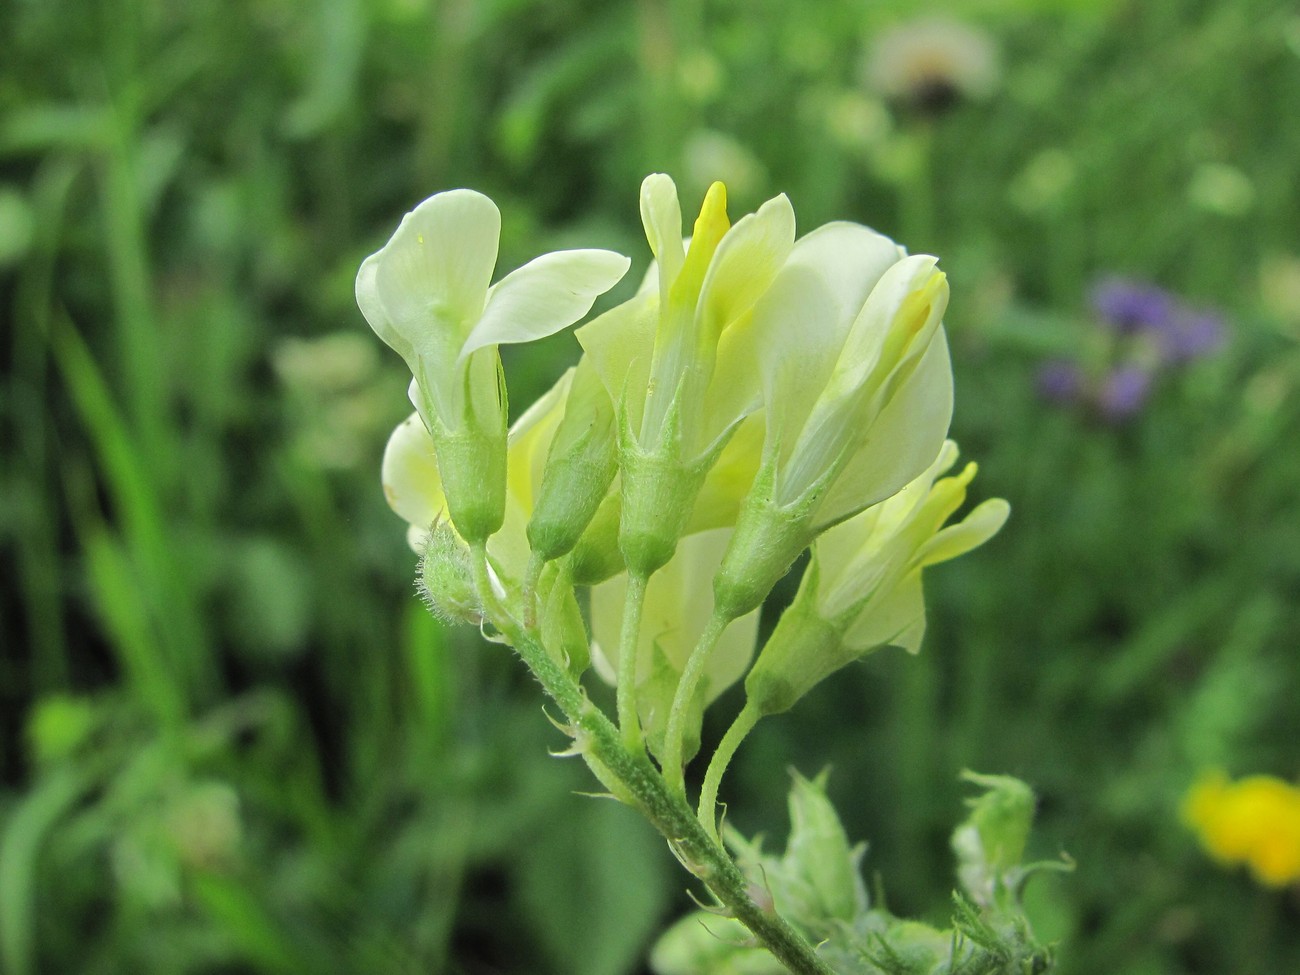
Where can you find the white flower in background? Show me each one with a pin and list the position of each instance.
(930, 64)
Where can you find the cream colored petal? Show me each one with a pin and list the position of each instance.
(729, 480)
(897, 320)
(661, 215)
(736, 389)
(620, 344)
(800, 324)
(678, 604)
(984, 521)
(793, 335)
(410, 476)
(432, 277)
(744, 265)
(545, 295)
(530, 439)
(902, 442)
(896, 618)
(372, 307)
(417, 538)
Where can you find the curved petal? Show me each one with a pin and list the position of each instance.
(544, 296)
(372, 307)
(410, 476)
(800, 324)
(661, 215)
(984, 521)
(743, 266)
(896, 618)
(794, 335)
(904, 440)
(895, 325)
(851, 257)
(431, 279)
(620, 344)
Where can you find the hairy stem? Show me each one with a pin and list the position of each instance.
(629, 774)
(741, 727)
(674, 734)
(531, 575)
(627, 661)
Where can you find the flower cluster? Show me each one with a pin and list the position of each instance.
(1144, 331)
(760, 394)
(1254, 821)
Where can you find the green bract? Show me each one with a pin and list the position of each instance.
(426, 293)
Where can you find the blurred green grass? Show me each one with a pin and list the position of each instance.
(232, 740)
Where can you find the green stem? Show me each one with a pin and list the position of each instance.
(675, 733)
(628, 645)
(739, 729)
(531, 575)
(636, 777)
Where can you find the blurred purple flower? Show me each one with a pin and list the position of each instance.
(1123, 391)
(1191, 335)
(1131, 306)
(1060, 381)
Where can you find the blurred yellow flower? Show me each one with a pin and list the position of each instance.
(1254, 821)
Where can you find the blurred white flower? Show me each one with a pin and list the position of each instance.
(930, 64)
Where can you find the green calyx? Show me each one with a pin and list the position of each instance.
(472, 465)
(659, 489)
(767, 540)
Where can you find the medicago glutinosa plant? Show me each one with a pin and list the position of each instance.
(761, 395)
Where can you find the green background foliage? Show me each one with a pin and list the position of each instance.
(230, 738)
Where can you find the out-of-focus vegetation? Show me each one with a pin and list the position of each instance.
(230, 738)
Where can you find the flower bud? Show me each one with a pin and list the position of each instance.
(990, 844)
(819, 854)
(564, 634)
(446, 583)
(596, 557)
(580, 466)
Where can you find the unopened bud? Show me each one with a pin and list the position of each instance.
(446, 583)
(596, 556)
(564, 634)
(580, 466)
